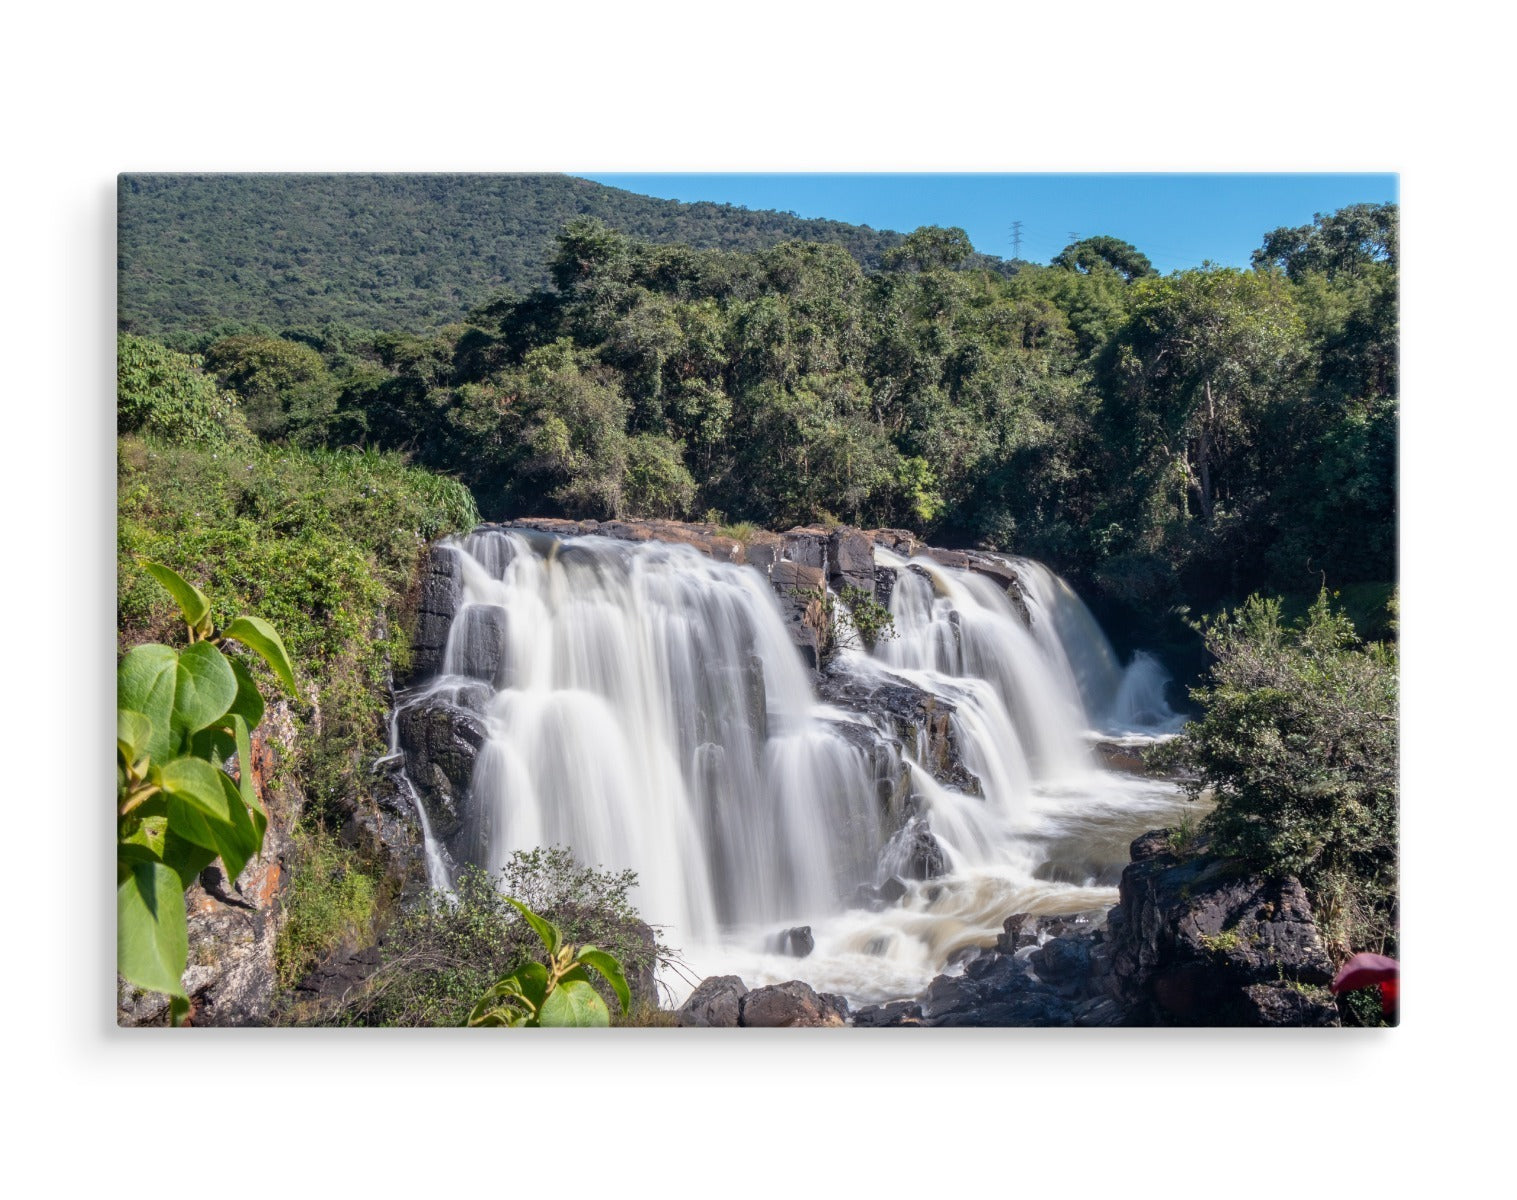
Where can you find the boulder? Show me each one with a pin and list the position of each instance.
(1194, 938)
(441, 593)
(792, 1005)
(717, 1003)
(850, 557)
(914, 853)
(441, 742)
(477, 644)
(876, 897)
(898, 1014)
(797, 942)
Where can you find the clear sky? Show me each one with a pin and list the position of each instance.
(1177, 220)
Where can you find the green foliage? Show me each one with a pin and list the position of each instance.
(180, 715)
(1298, 740)
(1164, 441)
(851, 619)
(166, 395)
(286, 389)
(1094, 254)
(388, 251)
(443, 953)
(557, 992)
(331, 900)
(325, 545)
(657, 483)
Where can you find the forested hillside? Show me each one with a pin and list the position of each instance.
(390, 251)
(1179, 439)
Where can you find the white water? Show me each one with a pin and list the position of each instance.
(650, 711)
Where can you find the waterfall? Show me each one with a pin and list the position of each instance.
(646, 706)
(649, 710)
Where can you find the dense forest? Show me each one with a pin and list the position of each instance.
(391, 251)
(1166, 440)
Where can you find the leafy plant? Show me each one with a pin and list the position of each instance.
(181, 714)
(849, 620)
(555, 993)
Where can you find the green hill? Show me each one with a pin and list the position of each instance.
(389, 251)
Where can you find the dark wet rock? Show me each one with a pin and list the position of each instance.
(717, 1003)
(850, 560)
(797, 942)
(1194, 936)
(1062, 962)
(386, 832)
(914, 853)
(807, 545)
(884, 585)
(876, 897)
(479, 644)
(792, 1005)
(441, 593)
(441, 742)
(1271, 1005)
(917, 718)
(898, 1014)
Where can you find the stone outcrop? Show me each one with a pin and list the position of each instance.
(793, 1005)
(441, 593)
(441, 741)
(1200, 941)
(724, 1002)
(916, 717)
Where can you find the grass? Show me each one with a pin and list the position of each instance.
(331, 900)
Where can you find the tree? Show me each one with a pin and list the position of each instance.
(1094, 253)
(286, 390)
(930, 247)
(1342, 242)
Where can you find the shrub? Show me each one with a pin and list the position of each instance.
(657, 483)
(331, 900)
(443, 954)
(167, 395)
(1298, 738)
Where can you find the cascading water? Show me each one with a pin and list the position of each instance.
(647, 707)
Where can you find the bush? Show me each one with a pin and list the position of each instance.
(657, 483)
(167, 395)
(444, 953)
(1299, 741)
(331, 900)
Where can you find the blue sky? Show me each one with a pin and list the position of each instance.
(1177, 220)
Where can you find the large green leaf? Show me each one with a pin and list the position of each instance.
(575, 1004)
(198, 784)
(186, 858)
(145, 683)
(258, 635)
(133, 733)
(249, 701)
(611, 969)
(246, 787)
(192, 602)
(245, 841)
(545, 929)
(204, 688)
(152, 941)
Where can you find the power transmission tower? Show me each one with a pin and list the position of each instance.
(1016, 239)
(1073, 237)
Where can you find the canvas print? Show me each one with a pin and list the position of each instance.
(757, 601)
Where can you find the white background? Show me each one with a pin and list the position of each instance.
(595, 86)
